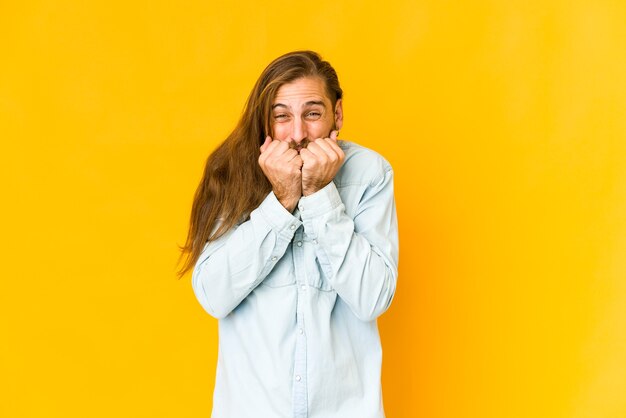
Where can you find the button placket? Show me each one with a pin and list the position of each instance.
(300, 365)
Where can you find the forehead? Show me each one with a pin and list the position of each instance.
(301, 91)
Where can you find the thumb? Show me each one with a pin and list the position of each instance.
(334, 134)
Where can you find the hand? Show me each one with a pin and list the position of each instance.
(282, 167)
(321, 159)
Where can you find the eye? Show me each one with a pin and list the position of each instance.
(281, 117)
(313, 115)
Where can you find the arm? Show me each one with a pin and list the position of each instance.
(230, 267)
(358, 256)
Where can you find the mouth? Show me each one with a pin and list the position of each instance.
(300, 145)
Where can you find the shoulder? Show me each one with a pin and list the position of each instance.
(361, 165)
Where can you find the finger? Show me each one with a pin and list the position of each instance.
(269, 156)
(334, 153)
(297, 160)
(284, 146)
(281, 152)
(315, 148)
(268, 140)
(265, 150)
(326, 147)
(331, 144)
(306, 154)
(334, 134)
(280, 147)
(322, 151)
(335, 147)
(289, 155)
(275, 148)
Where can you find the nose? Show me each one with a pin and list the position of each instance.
(298, 130)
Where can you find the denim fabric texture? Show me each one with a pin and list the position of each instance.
(297, 296)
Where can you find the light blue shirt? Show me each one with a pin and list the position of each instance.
(297, 297)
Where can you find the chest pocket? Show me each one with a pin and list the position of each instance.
(283, 273)
(309, 270)
(313, 274)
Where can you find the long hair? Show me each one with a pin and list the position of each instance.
(233, 184)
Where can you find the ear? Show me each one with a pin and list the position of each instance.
(338, 114)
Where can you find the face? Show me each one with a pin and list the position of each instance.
(302, 112)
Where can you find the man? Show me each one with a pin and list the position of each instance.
(293, 240)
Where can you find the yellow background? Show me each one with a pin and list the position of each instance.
(505, 122)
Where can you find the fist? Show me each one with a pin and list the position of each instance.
(282, 167)
(321, 160)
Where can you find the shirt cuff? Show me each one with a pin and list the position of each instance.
(277, 216)
(320, 202)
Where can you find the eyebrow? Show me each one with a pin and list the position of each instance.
(309, 103)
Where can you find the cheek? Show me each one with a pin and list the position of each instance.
(281, 132)
(321, 129)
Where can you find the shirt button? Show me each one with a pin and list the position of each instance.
(303, 287)
(298, 378)
(274, 258)
(314, 241)
(301, 331)
(292, 227)
(299, 243)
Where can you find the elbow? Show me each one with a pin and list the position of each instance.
(216, 310)
(217, 313)
(368, 315)
(371, 311)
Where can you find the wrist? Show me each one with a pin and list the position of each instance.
(307, 191)
(289, 203)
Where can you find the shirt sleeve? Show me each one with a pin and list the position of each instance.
(359, 254)
(230, 267)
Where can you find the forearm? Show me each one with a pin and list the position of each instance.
(357, 256)
(232, 266)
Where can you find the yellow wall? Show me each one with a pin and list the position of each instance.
(505, 122)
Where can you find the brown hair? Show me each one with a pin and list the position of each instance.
(233, 184)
